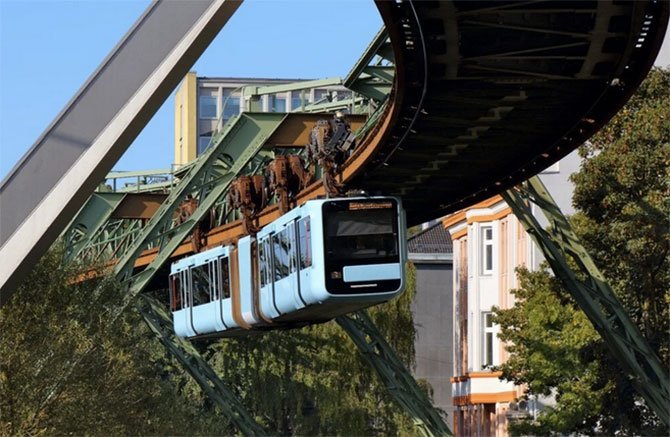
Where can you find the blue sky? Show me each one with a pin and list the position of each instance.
(49, 48)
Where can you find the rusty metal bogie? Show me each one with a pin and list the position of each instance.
(286, 177)
(330, 144)
(248, 194)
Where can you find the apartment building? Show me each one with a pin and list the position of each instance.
(204, 104)
(488, 244)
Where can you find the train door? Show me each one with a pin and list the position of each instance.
(304, 251)
(262, 291)
(247, 271)
(287, 285)
(222, 295)
(181, 303)
(204, 293)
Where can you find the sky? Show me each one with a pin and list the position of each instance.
(48, 48)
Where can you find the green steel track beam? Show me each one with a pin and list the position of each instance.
(395, 376)
(293, 86)
(109, 241)
(593, 295)
(116, 174)
(141, 181)
(206, 181)
(332, 106)
(375, 48)
(182, 350)
(373, 79)
(89, 220)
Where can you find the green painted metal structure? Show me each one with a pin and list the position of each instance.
(373, 73)
(206, 182)
(464, 103)
(593, 294)
(396, 377)
(92, 217)
(160, 322)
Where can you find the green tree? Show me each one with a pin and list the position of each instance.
(304, 381)
(623, 219)
(313, 381)
(123, 385)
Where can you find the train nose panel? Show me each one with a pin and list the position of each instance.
(371, 272)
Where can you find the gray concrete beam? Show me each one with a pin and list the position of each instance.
(56, 176)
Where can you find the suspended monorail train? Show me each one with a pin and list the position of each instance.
(323, 259)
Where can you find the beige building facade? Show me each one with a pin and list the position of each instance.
(488, 244)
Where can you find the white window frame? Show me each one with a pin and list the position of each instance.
(489, 333)
(486, 244)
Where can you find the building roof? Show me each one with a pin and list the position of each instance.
(435, 239)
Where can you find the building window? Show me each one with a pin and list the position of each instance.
(231, 104)
(321, 94)
(299, 99)
(487, 250)
(277, 103)
(203, 142)
(207, 107)
(488, 339)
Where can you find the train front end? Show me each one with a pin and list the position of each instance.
(364, 249)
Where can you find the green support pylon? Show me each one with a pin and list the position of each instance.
(593, 295)
(207, 181)
(396, 377)
(89, 222)
(159, 321)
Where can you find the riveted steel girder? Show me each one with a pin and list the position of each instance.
(182, 350)
(393, 373)
(206, 181)
(92, 216)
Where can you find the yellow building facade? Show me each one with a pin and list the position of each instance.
(186, 121)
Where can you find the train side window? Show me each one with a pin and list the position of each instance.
(185, 289)
(224, 266)
(304, 234)
(269, 262)
(292, 247)
(214, 280)
(286, 235)
(175, 292)
(281, 245)
(263, 261)
(200, 284)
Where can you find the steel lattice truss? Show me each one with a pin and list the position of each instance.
(463, 104)
(593, 294)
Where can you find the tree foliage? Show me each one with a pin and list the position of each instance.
(623, 219)
(305, 381)
(313, 380)
(122, 382)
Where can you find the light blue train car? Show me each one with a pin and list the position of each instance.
(325, 258)
(200, 294)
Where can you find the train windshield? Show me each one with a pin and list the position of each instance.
(361, 232)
